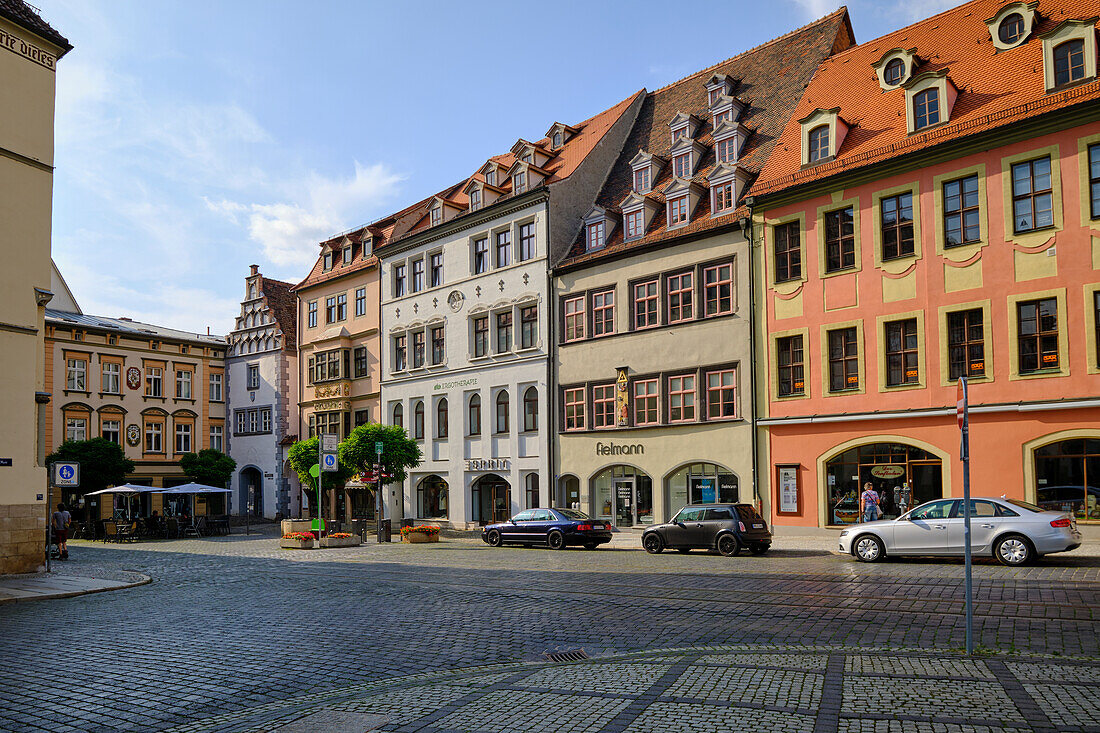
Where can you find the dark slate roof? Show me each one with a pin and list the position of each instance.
(283, 305)
(129, 327)
(24, 16)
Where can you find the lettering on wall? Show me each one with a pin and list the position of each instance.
(28, 50)
(612, 449)
(487, 464)
(456, 383)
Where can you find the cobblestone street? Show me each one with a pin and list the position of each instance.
(234, 634)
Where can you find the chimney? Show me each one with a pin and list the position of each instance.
(208, 327)
(255, 270)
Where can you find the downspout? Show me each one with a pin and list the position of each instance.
(747, 229)
(551, 421)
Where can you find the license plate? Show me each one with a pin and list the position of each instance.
(758, 526)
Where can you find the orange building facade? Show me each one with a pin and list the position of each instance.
(932, 211)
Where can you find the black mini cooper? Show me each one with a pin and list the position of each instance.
(723, 527)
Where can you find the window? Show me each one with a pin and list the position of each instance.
(153, 382)
(843, 360)
(1069, 62)
(902, 353)
(1096, 323)
(111, 430)
(678, 133)
(311, 309)
(679, 298)
(436, 275)
(726, 150)
(897, 226)
(634, 223)
(437, 215)
(361, 417)
(360, 301)
(418, 420)
(216, 387)
(1032, 196)
(217, 441)
(418, 349)
(504, 248)
(530, 410)
(681, 165)
(681, 398)
(718, 290)
(481, 336)
(154, 432)
(327, 261)
(1094, 180)
(555, 142)
(645, 402)
(603, 313)
(253, 376)
(256, 421)
(330, 309)
(788, 251)
(76, 428)
(819, 143)
(721, 394)
(398, 280)
(526, 242)
(1011, 28)
(574, 318)
(398, 415)
(723, 197)
(481, 256)
(474, 416)
(328, 423)
(966, 344)
(400, 354)
(645, 304)
(347, 255)
(595, 235)
(519, 182)
(960, 212)
(183, 385)
(441, 428)
(438, 345)
(531, 489)
(926, 108)
(574, 408)
(76, 373)
(529, 326)
(183, 438)
(1037, 334)
(417, 276)
(603, 406)
(893, 72)
(491, 177)
(501, 412)
(360, 361)
(504, 332)
(677, 210)
(641, 180)
(790, 366)
(840, 240)
(111, 378)
(475, 199)
(329, 365)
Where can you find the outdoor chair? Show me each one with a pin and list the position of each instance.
(110, 532)
(201, 529)
(172, 528)
(188, 530)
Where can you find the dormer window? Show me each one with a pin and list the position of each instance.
(713, 95)
(368, 247)
(1012, 24)
(677, 134)
(926, 109)
(718, 86)
(597, 228)
(727, 181)
(526, 157)
(720, 117)
(634, 227)
(327, 264)
(819, 143)
(437, 215)
(895, 67)
(1069, 62)
(642, 181)
(681, 197)
(823, 133)
(683, 125)
(1011, 29)
(347, 255)
(726, 150)
(681, 165)
(595, 235)
(475, 199)
(1069, 53)
(491, 177)
(894, 72)
(638, 212)
(519, 182)
(930, 97)
(555, 141)
(677, 211)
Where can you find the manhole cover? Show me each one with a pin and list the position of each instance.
(567, 655)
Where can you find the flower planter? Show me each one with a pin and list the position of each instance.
(296, 544)
(417, 537)
(352, 541)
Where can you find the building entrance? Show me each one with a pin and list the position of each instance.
(890, 468)
(623, 495)
(1068, 477)
(491, 499)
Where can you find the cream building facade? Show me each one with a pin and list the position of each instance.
(29, 52)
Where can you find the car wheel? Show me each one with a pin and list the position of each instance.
(493, 538)
(652, 543)
(759, 549)
(555, 540)
(1013, 550)
(591, 545)
(868, 548)
(683, 550)
(729, 545)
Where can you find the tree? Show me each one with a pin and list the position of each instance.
(208, 466)
(102, 462)
(399, 451)
(303, 456)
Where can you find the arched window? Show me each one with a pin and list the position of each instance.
(474, 421)
(893, 72)
(501, 412)
(530, 409)
(441, 418)
(398, 415)
(418, 421)
(531, 488)
(819, 143)
(1069, 62)
(1011, 28)
(252, 290)
(431, 498)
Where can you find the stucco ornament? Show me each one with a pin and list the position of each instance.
(133, 377)
(455, 300)
(133, 435)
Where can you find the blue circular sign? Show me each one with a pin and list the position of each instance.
(330, 459)
(67, 472)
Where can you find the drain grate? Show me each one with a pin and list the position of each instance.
(569, 655)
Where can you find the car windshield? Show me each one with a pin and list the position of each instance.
(689, 514)
(571, 514)
(1025, 505)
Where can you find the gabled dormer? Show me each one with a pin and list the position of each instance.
(686, 154)
(681, 198)
(895, 67)
(441, 210)
(718, 85)
(1012, 25)
(638, 211)
(929, 99)
(493, 173)
(726, 108)
(531, 153)
(646, 167)
(343, 250)
(366, 241)
(598, 225)
(559, 134)
(729, 138)
(481, 194)
(328, 256)
(727, 184)
(1069, 53)
(684, 125)
(823, 132)
(525, 176)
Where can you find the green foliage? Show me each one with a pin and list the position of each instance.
(399, 451)
(303, 456)
(208, 466)
(102, 462)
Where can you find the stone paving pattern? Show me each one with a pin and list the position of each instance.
(234, 634)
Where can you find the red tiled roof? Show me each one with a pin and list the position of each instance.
(279, 298)
(24, 16)
(994, 89)
(770, 80)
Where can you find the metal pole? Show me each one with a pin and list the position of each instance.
(378, 498)
(49, 517)
(320, 473)
(966, 516)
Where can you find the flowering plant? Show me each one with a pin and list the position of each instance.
(427, 529)
(340, 535)
(298, 536)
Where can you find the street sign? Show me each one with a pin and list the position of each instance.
(66, 474)
(314, 470)
(329, 443)
(329, 462)
(378, 446)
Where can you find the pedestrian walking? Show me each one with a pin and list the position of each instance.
(61, 520)
(868, 503)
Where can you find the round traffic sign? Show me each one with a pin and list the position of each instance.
(330, 460)
(67, 472)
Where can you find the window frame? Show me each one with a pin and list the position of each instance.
(1040, 334)
(1032, 194)
(793, 371)
(502, 244)
(480, 255)
(678, 211)
(633, 224)
(503, 331)
(480, 327)
(439, 345)
(435, 270)
(926, 105)
(530, 409)
(473, 415)
(818, 140)
(678, 277)
(688, 394)
(1080, 44)
(573, 398)
(841, 246)
(966, 344)
(647, 299)
(721, 389)
(961, 210)
(899, 227)
(647, 402)
(717, 285)
(602, 312)
(501, 410)
(528, 326)
(603, 405)
(846, 360)
(575, 320)
(909, 356)
(527, 244)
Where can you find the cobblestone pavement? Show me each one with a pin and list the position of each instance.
(234, 634)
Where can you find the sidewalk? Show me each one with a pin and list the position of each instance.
(66, 581)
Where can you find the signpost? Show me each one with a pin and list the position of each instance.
(326, 462)
(63, 474)
(963, 414)
(378, 491)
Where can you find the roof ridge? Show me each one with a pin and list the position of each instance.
(843, 9)
(914, 24)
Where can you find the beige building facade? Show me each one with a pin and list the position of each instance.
(29, 51)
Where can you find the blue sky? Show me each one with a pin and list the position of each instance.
(196, 137)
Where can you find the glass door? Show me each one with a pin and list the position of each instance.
(623, 490)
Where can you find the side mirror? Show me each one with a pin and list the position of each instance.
(511, 521)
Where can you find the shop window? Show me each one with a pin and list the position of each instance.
(1068, 477)
(569, 492)
(903, 476)
(603, 406)
(473, 416)
(491, 497)
(431, 498)
(789, 357)
(645, 304)
(680, 297)
(645, 402)
(531, 490)
(788, 251)
(843, 360)
(441, 425)
(722, 394)
(529, 326)
(574, 318)
(1032, 195)
(481, 335)
(701, 483)
(966, 343)
(574, 408)
(897, 226)
(840, 240)
(418, 420)
(1037, 334)
(718, 290)
(902, 352)
(623, 495)
(501, 412)
(961, 212)
(681, 398)
(603, 313)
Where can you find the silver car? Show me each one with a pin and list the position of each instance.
(1015, 532)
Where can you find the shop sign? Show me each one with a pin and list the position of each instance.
(487, 464)
(610, 449)
(622, 398)
(332, 390)
(468, 382)
(888, 472)
(727, 485)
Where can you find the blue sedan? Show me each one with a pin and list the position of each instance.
(556, 528)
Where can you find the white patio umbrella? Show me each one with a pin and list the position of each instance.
(128, 489)
(193, 488)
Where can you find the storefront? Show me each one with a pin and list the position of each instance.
(1067, 477)
(889, 468)
(490, 499)
(431, 498)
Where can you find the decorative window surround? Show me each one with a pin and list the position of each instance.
(1069, 30)
(636, 202)
(598, 215)
(527, 152)
(838, 128)
(1025, 10)
(441, 210)
(676, 189)
(526, 176)
(722, 174)
(654, 163)
(481, 190)
(691, 148)
(727, 130)
(492, 174)
(945, 91)
(684, 125)
(907, 56)
(728, 107)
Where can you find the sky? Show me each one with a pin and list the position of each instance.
(197, 137)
